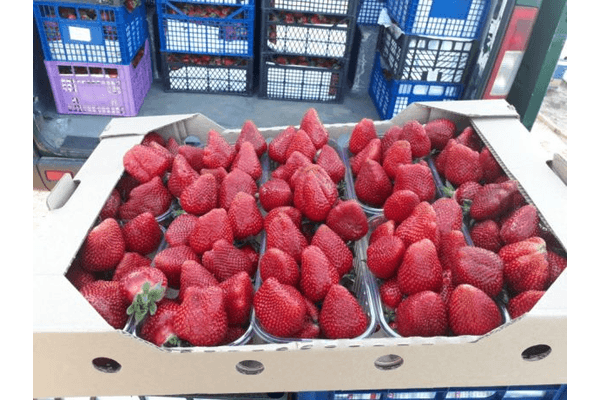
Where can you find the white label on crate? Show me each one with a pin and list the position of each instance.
(432, 75)
(81, 34)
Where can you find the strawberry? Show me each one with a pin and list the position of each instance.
(247, 160)
(448, 214)
(277, 148)
(292, 212)
(238, 298)
(523, 302)
(103, 247)
(244, 216)
(143, 288)
(472, 312)
(447, 285)
(153, 137)
(144, 162)
(492, 200)
(301, 142)
(210, 227)
(462, 165)
(159, 328)
(480, 268)
(253, 255)
(200, 196)
(420, 268)
(420, 224)
(389, 137)
(280, 309)
(314, 128)
(329, 159)
(440, 131)
(282, 233)
(341, 315)
(525, 265)
(280, 265)
(556, 265)
(219, 173)
(275, 193)
(417, 178)
(469, 138)
(250, 133)
(439, 159)
(225, 260)
(169, 261)
(172, 146)
(386, 228)
(130, 262)
(465, 193)
(314, 192)
(364, 131)
(520, 225)
(372, 185)
(234, 333)
(317, 274)
(491, 169)
(194, 156)
(414, 133)
(78, 276)
(372, 151)
(111, 206)
(422, 314)
(182, 175)
(108, 300)
(234, 182)
(400, 204)
(151, 196)
(194, 274)
(334, 248)
(384, 256)
(348, 220)
(201, 319)
(398, 153)
(295, 161)
(390, 293)
(180, 229)
(217, 152)
(450, 243)
(310, 328)
(486, 234)
(142, 234)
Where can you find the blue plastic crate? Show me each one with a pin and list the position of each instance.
(368, 12)
(391, 96)
(90, 33)
(450, 18)
(190, 27)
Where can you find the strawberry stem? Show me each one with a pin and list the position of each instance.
(144, 302)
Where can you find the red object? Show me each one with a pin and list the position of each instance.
(55, 175)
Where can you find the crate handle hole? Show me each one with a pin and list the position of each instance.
(107, 365)
(250, 367)
(389, 362)
(536, 353)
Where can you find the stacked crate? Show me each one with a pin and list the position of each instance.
(207, 46)
(305, 49)
(97, 55)
(427, 53)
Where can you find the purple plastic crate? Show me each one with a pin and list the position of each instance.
(101, 89)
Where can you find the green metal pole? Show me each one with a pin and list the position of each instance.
(539, 61)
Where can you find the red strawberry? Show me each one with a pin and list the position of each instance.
(169, 261)
(247, 160)
(398, 153)
(478, 267)
(486, 234)
(234, 333)
(556, 265)
(103, 247)
(417, 178)
(466, 192)
(462, 165)
(386, 228)
(292, 212)
(282, 233)
(492, 200)
(78, 276)
(151, 196)
(415, 134)
(225, 260)
(238, 298)
(472, 312)
(400, 204)
(314, 192)
(389, 137)
(447, 285)
(439, 159)
(420, 224)
(390, 293)
(317, 274)
(217, 152)
(194, 156)
(341, 315)
(280, 309)
(314, 128)
(525, 265)
(194, 274)
(244, 216)
(449, 214)
(372, 185)
(523, 302)
(384, 256)
(275, 193)
(520, 225)
(200, 196)
(236, 181)
(172, 146)
(364, 131)
(278, 264)
(301, 142)
(130, 262)
(180, 229)
(420, 268)
(253, 255)
(144, 162)
(491, 169)
(111, 206)
(372, 151)
(210, 227)
(201, 319)
(440, 131)
(422, 314)
(295, 161)
(153, 137)
(348, 220)
(159, 328)
(310, 328)
(329, 159)
(450, 243)
(469, 138)
(277, 148)
(108, 300)
(182, 175)
(334, 248)
(250, 133)
(144, 288)
(142, 234)
(219, 173)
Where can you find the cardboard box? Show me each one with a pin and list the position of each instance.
(68, 334)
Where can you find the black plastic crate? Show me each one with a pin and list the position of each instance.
(197, 73)
(424, 58)
(302, 78)
(307, 34)
(338, 7)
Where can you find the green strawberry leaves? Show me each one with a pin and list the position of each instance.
(145, 302)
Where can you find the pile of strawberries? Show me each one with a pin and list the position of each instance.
(202, 10)
(204, 60)
(433, 280)
(304, 18)
(316, 62)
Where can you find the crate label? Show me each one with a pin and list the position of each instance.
(80, 34)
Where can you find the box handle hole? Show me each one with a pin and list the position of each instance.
(250, 367)
(389, 362)
(104, 364)
(536, 353)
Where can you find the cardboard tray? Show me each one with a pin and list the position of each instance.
(76, 353)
